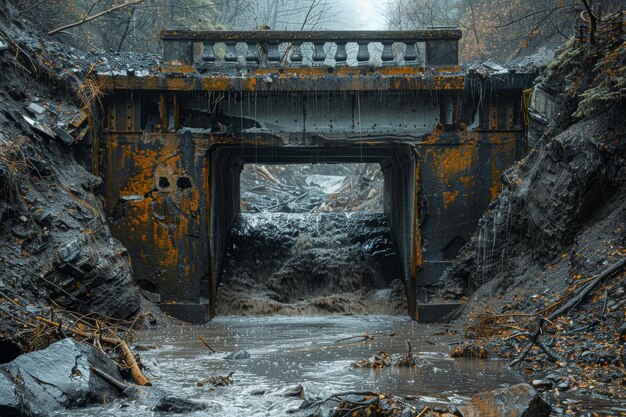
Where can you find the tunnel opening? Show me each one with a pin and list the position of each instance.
(313, 231)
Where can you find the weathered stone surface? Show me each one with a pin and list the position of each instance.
(9, 401)
(517, 401)
(56, 378)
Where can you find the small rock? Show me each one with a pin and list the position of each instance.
(178, 405)
(70, 251)
(554, 377)
(63, 136)
(151, 296)
(20, 231)
(620, 291)
(517, 401)
(563, 386)
(36, 109)
(242, 354)
(541, 383)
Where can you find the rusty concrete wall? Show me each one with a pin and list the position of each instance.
(460, 175)
(171, 195)
(156, 201)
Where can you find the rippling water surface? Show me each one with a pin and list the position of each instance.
(287, 351)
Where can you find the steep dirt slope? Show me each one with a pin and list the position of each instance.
(55, 246)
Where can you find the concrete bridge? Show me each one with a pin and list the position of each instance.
(177, 131)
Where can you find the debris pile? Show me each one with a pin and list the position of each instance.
(311, 188)
(217, 381)
(292, 263)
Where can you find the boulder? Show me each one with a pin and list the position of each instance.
(517, 401)
(56, 378)
(9, 400)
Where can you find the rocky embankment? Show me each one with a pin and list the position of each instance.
(62, 273)
(543, 248)
(55, 246)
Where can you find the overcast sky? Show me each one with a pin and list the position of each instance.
(358, 15)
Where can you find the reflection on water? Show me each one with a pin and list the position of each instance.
(286, 351)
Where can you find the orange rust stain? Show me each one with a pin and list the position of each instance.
(186, 79)
(163, 237)
(178, 69)
(417, 258)
(469, 181)
(502, 157)
(449, 197)
(452, 162)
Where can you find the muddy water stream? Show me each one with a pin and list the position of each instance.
(287, 351)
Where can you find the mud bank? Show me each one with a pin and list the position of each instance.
(337, 263)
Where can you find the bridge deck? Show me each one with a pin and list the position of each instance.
(190, 78)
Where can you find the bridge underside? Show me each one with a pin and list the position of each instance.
(172, 148)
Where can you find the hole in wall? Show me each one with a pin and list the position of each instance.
(164, 182)
(183, 183)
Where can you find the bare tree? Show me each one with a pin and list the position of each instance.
(503, 29)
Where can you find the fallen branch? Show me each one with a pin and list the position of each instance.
(423, 411)
(95, 16)
(126, 389)
(339, 397)
(534, 340)
(129, 359)
(286, 202)
(363, 337)
(204, 342)
(574, 301)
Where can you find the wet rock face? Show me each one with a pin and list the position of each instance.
(550, 195)
(291, 259)
(56, 378)
(517, 401)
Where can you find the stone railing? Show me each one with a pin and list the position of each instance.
(435, 47)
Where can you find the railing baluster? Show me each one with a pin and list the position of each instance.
(319, 54)
(341, 56)
(208, 53)
(296, 53)
(273, 54)
(410, 54)
(252, 53)
(363, 55)
(178, 53)
(387, 54)
(230, 55)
